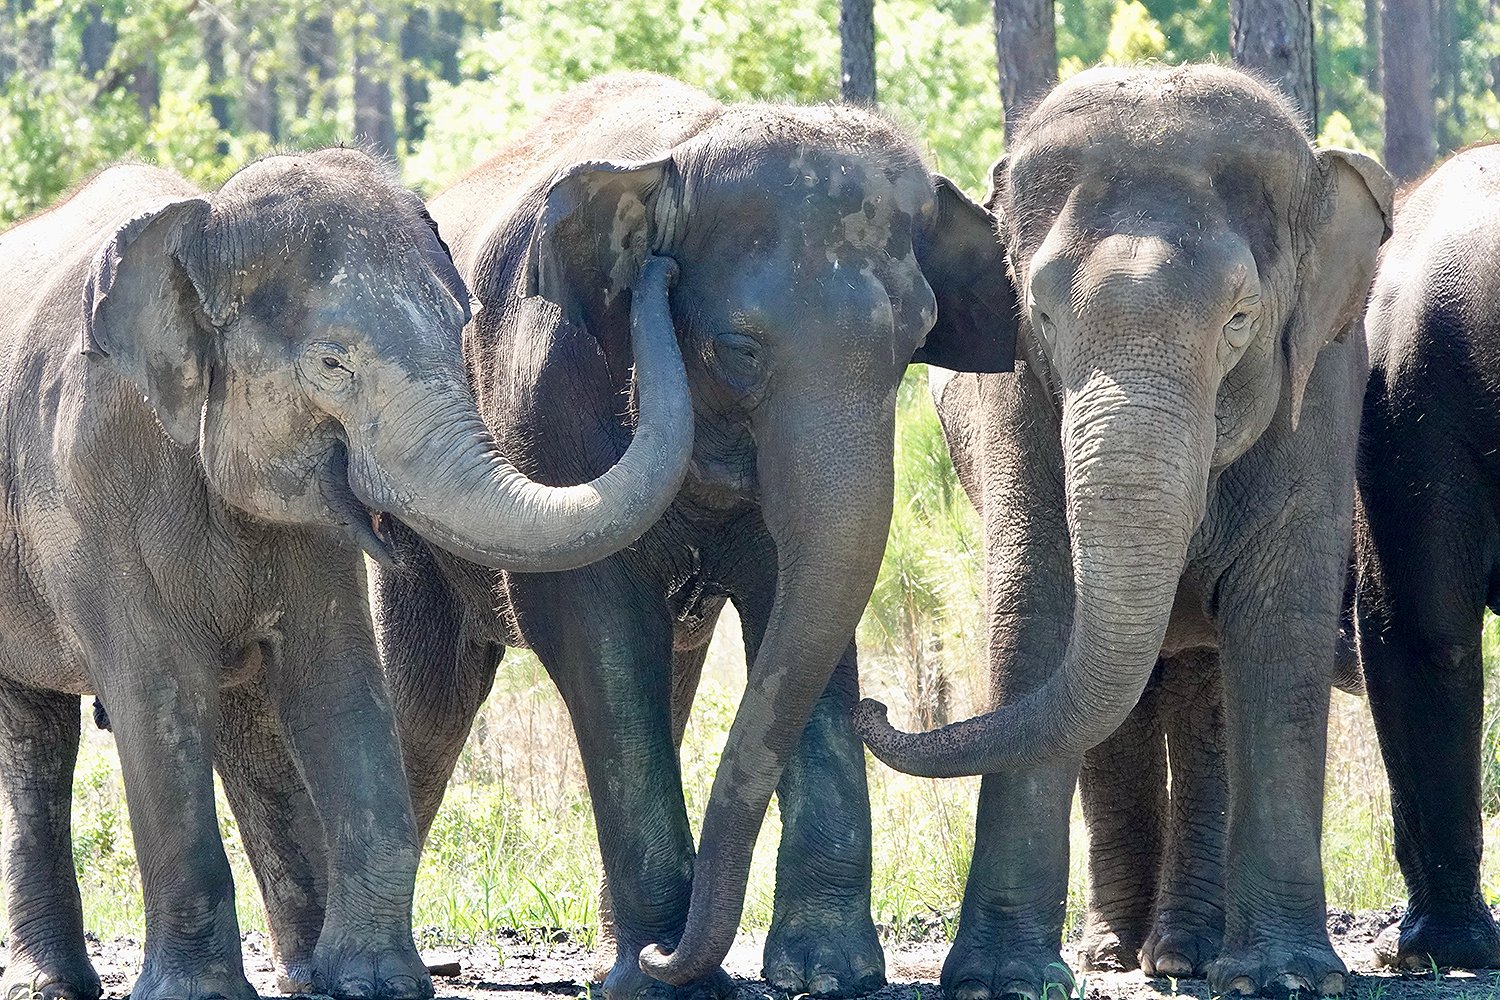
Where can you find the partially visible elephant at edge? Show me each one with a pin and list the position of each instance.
(1165, 482)
(1427, 541)
(817, 257)
(207, 397)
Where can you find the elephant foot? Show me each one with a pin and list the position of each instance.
(1106, 948)
(824, 956)
(1467, 940)
(70, 977)
(156, 983)
(998, 972)
(352, 969)
(1279, 970)
(1180, 946)
(626, 981)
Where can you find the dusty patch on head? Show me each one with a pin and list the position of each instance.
(625, 229)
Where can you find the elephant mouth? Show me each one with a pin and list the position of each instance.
(367, 528)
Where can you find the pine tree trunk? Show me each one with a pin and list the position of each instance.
(1494, 10)
(1026, 50)
(1372, 44)
(96, 41)
(1275, 37)
(450, 33)
(145, 83)
(857, 51)
(373, 119)
(416, 55)
(316, 51)
(1406, 47)
(213, 59)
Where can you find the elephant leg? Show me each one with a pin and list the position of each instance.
(438, 665)
(282, 833)
(1188, 929)
(606, 640)
(687, 670)
(822, 940)
(164, 717)
(1009, 939)
(1123, 785)
(1278, 647)
(1420, 619)
(330, 698)
(39, 734)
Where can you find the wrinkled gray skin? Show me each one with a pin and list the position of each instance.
(1167, 478)
(1428, 545)
(817, 257)
(206, 397)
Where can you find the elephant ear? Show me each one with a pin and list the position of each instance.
(963, 261)
(591, 238)
(440, 259)
(141, 309)
(1351, 217)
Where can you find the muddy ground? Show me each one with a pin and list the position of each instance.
(521, 970)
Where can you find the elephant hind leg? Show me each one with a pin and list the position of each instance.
(39, 747)
(1188, 928)
(280, 829)
(1123, 785)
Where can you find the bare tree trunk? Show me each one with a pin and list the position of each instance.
(1275, 37)
(96, 41)
(144, 82)
(316, 49)
(1406, 48)
(450, 32)
(416, 56)
(1026, 50)
(1372, 44)
(1449, 74)
(261, 103)
(213, 57)
(857, 51)
(373, 120)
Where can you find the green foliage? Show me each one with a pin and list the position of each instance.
(1134, 35)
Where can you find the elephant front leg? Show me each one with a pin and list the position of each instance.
(1188, 928)
(1010, 926)
(606, 641)
(279, 827)
(1276, 674)
(163, 718)
(1123, 785)
(39, 746)
(330, 695)
(438, 670)
(822, 940)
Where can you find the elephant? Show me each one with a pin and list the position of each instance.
(1166, 479)
(816, 257)
(1427, 544)
(209, 400)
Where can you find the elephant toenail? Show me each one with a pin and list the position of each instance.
(823, 986)
(1243, 986)
(1174, 965)
(1332, 984)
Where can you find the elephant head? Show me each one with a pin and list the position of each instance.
(302, 330)
(818, 257)
(1182, 255)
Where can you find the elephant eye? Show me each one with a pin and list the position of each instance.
(329, 361)
(1240, 325)
(738, 358)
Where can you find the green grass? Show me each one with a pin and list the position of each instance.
(514, 847)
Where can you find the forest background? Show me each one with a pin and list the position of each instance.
(203, 87)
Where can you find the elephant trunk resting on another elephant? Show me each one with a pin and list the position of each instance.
(1168, 476)
(254, 374)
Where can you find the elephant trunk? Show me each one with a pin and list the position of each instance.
(826, 476)
(1136, 452)
(443, 475)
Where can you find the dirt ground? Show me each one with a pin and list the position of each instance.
(518, 970)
